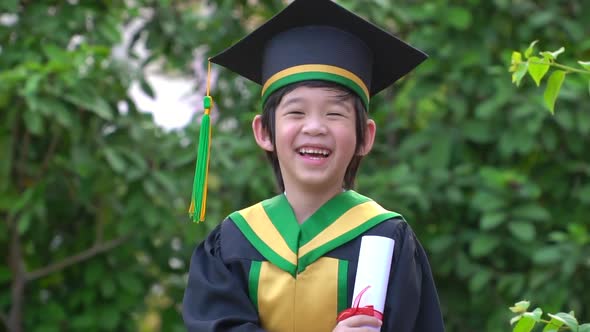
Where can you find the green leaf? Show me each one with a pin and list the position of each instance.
(146, 87)
(553, 325)
(13, 76)
(107, 288)
(520, 307)
(478, 131)
(558, 236)
(138, 165)
(150, 187)
(516, 58)
(459, 17)
(130, 283)
(538, 68)
(10, 6)
(584, 328)
(166, 181)
(109, 318)
(492, 220)
(535, 315)
(54, 312)
(567, 319)
(479, 280)
(483, 245)
(547, 255)
(33, 121)
(23, 201)
(522, 230)
(93, 273)
(57, 109)
(24, 223)
(90, 102)
(525, 324)
(579, 233)
(441, 243)
(532, 211)
(552, 89)
(521, 70)
(114, 159)
(32, 84)
(552, 55)
(585, 64)
(110, 29)
(486, 201)
(529, 50)
(55, 53)
(515, 319)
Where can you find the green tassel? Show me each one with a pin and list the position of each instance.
(199, 197)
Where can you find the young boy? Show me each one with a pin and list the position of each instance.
(289, 263)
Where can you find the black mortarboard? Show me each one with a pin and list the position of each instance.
(308, 40)
(318, 39)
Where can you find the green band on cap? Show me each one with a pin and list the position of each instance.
(314, 75)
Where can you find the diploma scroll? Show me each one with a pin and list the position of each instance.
(373, 269)
(372, 277)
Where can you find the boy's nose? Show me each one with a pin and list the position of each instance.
(314, 126)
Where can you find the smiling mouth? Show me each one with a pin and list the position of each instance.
(313, 152)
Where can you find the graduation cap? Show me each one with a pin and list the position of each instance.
(318, 39)
(311, 40)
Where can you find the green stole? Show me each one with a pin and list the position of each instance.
(296, 280)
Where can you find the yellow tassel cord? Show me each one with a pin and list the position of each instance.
(199, 196)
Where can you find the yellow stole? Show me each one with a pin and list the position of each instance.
(297, 289)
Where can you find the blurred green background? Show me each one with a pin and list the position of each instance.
(94, 232)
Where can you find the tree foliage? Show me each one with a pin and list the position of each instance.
(537, 68)
(93, 194)
(526, 321)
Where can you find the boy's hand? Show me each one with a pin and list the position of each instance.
(359, 323)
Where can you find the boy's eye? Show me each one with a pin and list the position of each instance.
(294, 112)
(336, 114)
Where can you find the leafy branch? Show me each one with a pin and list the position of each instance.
(526, 321)
(538, 66)
(79, 257)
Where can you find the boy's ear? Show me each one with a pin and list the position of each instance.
(370, 129)
(261, 135)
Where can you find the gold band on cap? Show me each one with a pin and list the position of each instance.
(317, 68)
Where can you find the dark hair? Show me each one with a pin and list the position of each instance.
(361, 117)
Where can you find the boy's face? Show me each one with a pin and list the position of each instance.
(315, 138)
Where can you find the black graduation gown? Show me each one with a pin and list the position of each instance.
(220, 296)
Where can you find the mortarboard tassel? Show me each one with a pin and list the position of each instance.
(199, 196)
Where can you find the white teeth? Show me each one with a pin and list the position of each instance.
(322, 152)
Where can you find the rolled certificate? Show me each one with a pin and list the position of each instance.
(372, 273)
(372, 278)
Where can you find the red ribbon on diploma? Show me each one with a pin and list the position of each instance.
(356, 310)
